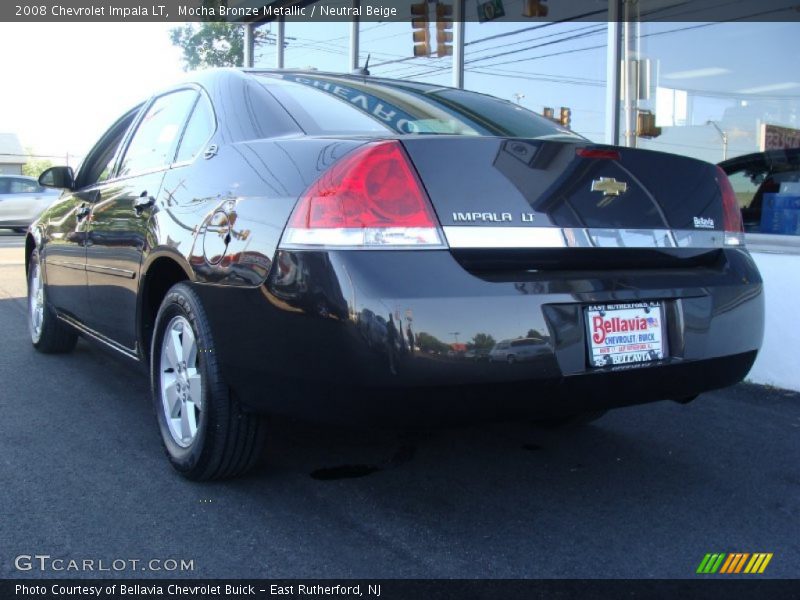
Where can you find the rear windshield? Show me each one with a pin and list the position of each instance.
(324, 104)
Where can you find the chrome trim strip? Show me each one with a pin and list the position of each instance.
(126, 273)
(128, 352)
(366, 238)
(66, 264)
(557, 237)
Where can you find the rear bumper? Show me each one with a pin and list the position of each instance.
(329, 335)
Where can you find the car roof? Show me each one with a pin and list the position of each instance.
(12, 176)
(338, 75)
(769, 158)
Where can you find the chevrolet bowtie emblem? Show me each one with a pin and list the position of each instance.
(611, 189)
(609, 186)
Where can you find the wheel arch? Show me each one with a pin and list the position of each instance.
(30, 246)
(161, 271)
(33, 240)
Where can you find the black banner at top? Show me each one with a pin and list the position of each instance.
(397, 10)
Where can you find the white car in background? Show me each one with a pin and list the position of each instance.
(22, 199)
(518, 350)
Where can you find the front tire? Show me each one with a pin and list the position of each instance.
(48, 334)
(205, 432)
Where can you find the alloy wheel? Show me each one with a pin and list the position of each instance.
(181, 384)
(36, 302)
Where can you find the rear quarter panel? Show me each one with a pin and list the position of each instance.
(249, 189)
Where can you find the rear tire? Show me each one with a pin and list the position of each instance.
(48, 334)
(205, 432)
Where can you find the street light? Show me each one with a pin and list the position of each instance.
(724, 137)
(518, 96)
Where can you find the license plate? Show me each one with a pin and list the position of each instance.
(625, 333)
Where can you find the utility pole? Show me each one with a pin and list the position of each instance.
(249, 45)
(355, 32)
(630, 87)
(613, 73)
(459, 11)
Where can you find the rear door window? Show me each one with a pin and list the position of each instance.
(198, 131)
(156, 138)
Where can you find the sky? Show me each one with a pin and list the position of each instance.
(63, 85)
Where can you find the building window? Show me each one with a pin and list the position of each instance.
(725, 93)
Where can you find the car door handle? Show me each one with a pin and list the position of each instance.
(142, 202)
(83, 212)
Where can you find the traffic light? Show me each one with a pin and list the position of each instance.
(548, 113)
(444, 29)
(565, 117)
(420, 30)
(646, 124)
(534, 8)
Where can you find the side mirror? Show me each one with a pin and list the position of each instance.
(58, 177)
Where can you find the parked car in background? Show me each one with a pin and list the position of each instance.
(302, 242)
(22, 199)
(519, 350)
(767, 187)
(477, 354)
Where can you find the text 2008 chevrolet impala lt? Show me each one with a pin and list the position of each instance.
(359, 248)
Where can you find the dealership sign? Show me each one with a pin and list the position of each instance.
(779, 138)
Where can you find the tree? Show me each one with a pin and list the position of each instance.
(35, 166)
(429, 343)
(207, 45)
(482, 341)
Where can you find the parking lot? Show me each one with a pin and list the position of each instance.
(644, 492)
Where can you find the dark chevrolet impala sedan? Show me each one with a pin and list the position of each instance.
(359, 248)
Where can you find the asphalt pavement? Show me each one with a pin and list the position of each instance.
(644, 492)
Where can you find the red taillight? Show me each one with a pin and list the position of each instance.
(603, 153)
(731, 213)
(371, 197)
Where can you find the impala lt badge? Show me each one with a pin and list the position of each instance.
(610, 187)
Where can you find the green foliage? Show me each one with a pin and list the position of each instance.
(429, 343)
(208, 45)
(35, 166)
(481, 341)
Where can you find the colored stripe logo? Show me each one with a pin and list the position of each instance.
(734, 562)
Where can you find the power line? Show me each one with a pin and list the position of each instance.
(511, 33)
(534, 27)
(600, 29)
(428, 69)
